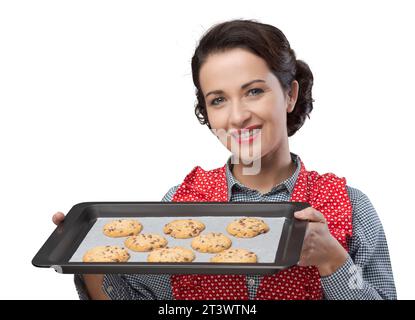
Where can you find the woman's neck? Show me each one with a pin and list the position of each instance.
(275, 168)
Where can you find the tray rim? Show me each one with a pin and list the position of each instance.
(42, 260)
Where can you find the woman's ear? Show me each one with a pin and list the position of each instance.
(292, 96)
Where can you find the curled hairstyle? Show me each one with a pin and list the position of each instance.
(267, 42)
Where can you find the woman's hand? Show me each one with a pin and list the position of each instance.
(93, 282)
(320, 248)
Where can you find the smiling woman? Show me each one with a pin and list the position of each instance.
(252, 91)
(262, 104)
(270, 50)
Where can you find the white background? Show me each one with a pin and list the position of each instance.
(96, 104)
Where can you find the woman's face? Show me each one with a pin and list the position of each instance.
(241, 92)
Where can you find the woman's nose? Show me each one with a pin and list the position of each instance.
(239, 115)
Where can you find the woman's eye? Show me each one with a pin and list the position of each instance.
(256, 90)
(213, 102)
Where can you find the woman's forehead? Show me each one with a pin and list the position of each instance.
(232, 69)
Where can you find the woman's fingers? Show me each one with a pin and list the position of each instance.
(310, 214)
(58, 217)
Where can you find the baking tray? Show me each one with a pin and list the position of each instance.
(82, 229)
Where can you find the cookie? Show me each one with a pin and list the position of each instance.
(184, 229)
(212, 242)
(235, 256)
(106, 254)
(145, 242)
(247, 227)
(188, 254)
(122, 228)
(174, 254)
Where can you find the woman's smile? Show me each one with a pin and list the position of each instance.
(246, 135)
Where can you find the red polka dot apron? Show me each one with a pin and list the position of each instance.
(326, 193)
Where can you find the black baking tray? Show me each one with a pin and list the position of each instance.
(64, 241)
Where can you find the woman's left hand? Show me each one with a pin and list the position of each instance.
(320, 248)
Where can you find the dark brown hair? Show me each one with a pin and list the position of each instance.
(267, 42)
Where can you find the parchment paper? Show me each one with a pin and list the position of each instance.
(264, 245)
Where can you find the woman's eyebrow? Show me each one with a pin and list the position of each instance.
(242, 87)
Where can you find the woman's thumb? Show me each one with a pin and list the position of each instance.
(58, 217)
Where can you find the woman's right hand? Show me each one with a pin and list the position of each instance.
(93, 282)
(58, 217)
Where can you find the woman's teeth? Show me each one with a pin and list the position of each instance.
(247, 134)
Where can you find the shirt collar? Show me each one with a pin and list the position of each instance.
(288, 183)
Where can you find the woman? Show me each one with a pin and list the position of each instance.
(253, 94)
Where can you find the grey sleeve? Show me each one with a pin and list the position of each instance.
(115, 287)
(133, 286)
(367, 273)
(169, 195)
(80, 287)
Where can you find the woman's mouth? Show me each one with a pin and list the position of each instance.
(247, 135)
